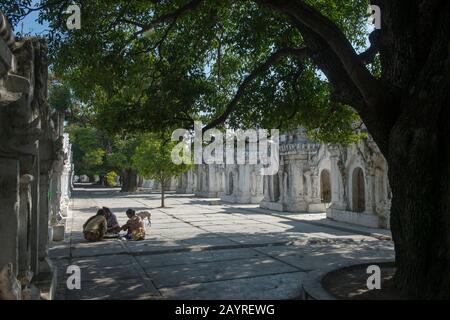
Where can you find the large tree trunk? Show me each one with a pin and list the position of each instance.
(140, 181)
(102, 181)
(129, 181)
(419, 174)
(419, 162)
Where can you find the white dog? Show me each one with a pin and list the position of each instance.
(145, 215)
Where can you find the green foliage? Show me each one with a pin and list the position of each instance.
(111, 178)
(191, 69)
(88, 150)
(153, 159)
(122, 151)
(94, 157)
(96, 152)
(59, 97)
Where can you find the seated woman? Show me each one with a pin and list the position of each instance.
(135, 226)
(95, 227)
(111, 219)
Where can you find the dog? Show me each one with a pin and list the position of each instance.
(145, 215)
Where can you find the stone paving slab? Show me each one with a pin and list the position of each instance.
(192, 257)
(60, 250)
(268, 287)
(217, 222)
(258, 238)
(208, 242)
(170, 276)
(95, 249)
(173, 225)
(154, 246)
(318, 219)
(93, 275)
(112, 289)
(117, 260)
(199, 232)
(325, 256)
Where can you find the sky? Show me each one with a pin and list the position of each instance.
(29, 25)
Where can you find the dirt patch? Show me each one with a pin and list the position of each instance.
(350, 283)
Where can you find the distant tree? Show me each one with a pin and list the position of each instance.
(120, 159)
(153, 161)
(60, 97)
(63, 99)
(88, 150)
(96, 152)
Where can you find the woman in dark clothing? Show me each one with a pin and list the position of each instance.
(111, 219)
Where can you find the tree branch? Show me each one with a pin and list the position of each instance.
(301, 53)
(170, 17)
(132, 22)
(369, 87)
(369, 55)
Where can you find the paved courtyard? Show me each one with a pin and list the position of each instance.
(204, 249)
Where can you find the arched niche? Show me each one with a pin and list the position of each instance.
(325, 186)
(358, 190)
(230, 183)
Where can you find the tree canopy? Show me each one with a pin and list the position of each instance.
(142, 69)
